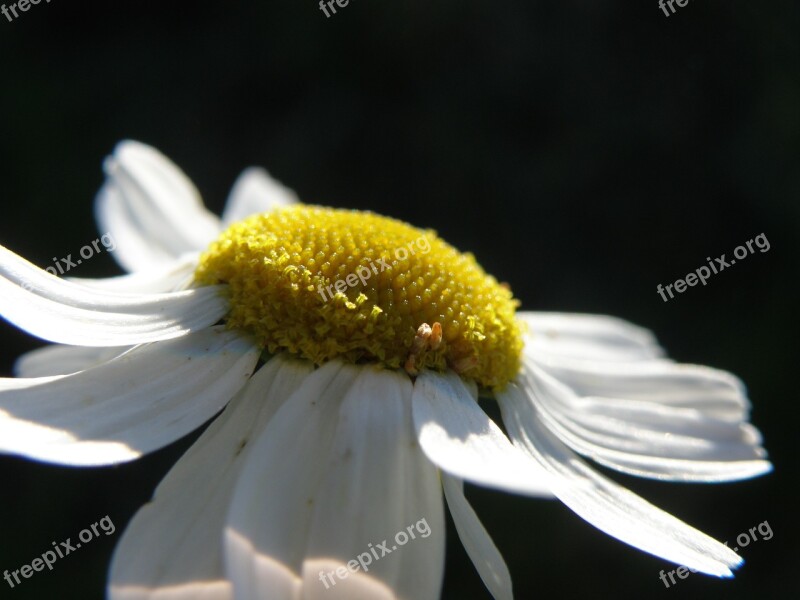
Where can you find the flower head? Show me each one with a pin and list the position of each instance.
(347, 352)
(284, 270)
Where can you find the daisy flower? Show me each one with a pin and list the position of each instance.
(343, 354)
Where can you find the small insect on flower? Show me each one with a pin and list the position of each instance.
(349, 414)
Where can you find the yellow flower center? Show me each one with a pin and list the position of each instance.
(325, 283)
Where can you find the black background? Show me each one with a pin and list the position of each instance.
(585, 152)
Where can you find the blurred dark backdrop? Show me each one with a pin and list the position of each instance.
(585, 152)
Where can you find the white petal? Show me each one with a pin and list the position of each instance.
(378, 489)
(648, 439)
(255, 191)
(461, 439)
(67, 313)
(716, 393)
(588, 336)
(477, 542)
(182, 528)
(606, 505)
(136, 403)
(270, 513)
(175, 275)
(335, 470)
(151, 208)
(136, 247)
(198, 590)
(63, 360)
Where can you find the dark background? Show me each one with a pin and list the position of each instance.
(584, 153)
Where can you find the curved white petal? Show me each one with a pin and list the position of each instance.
(648, 439)
(136, 403)
(335, 474)
(461, 439)
(596, 337)
(606, 505)
(182, 528)
(151, 208)
(63, 360)
(714, 392)
(477, 542)
(136, 247)
(255, 191)
(67, 313)
(175, 275)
